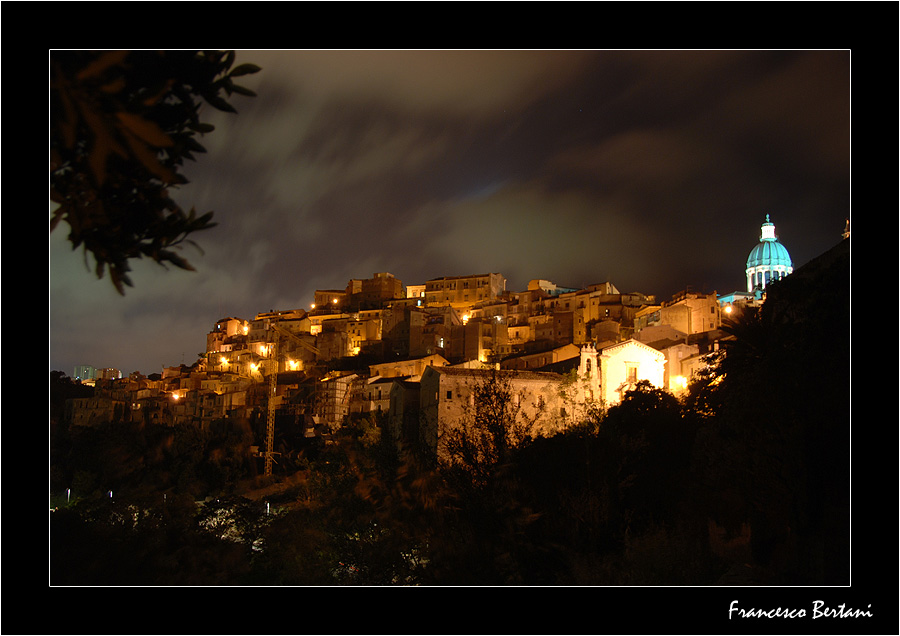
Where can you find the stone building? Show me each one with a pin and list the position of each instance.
(688, 312)
(464, 291)
(545, 402)
(91, 411)
(360, 294)
(447, 398)
(333, 399)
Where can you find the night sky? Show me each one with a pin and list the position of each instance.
(649, 169)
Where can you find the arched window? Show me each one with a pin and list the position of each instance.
(588, 367)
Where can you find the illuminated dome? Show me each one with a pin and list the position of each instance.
(768, 261)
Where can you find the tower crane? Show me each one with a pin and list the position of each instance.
(273, 385)
(270, 410)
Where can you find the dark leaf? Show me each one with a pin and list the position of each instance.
(244, 69)
(194, 145)
(143, 129)
(217, 102)
(240, 90)
(202, 128)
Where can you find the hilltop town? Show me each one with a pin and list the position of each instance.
(374, 346)
(413, 355)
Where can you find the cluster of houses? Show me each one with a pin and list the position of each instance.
(416, 354)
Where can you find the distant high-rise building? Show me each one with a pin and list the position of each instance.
(84, 372)
(109, 373)
(768, 261)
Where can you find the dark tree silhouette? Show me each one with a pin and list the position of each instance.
(493, 427)
(122, 123)
(776, 456)
(652, 442)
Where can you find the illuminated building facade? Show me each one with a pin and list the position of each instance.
(360, 293)
(625, 364)
(464, 291)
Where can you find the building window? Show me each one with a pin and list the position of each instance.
(631, 373)
(449, 395)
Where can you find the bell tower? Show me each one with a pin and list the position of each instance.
(589, 372)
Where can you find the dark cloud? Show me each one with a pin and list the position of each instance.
(649, 169)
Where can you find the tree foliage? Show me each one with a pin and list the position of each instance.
(492, 428)
(651, 443)
(122, 124)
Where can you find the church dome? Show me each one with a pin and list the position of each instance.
(769, 253)
(768, 260)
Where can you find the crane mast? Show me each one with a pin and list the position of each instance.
(270, 414)
(273, 383)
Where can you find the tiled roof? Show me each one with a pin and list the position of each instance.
(503, 373)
